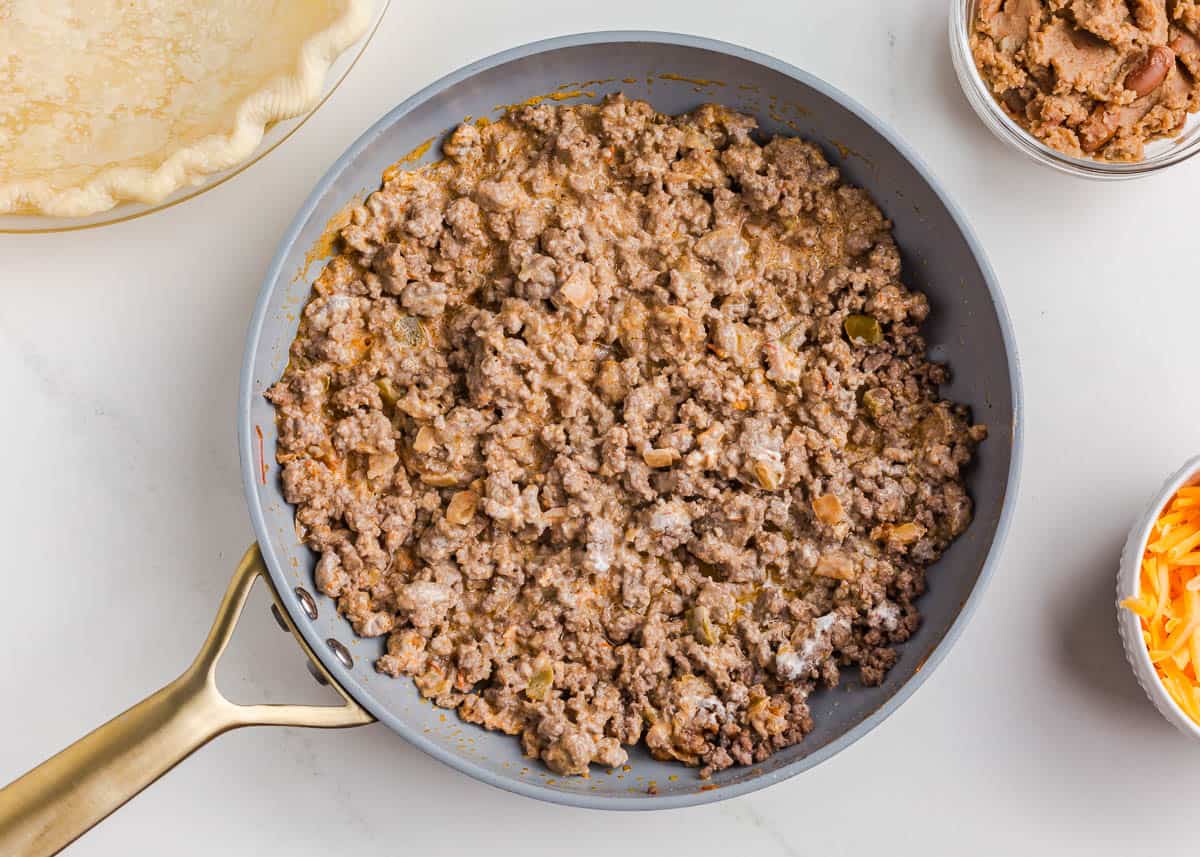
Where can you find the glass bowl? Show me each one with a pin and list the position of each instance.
(274, 135)
(1160, 154)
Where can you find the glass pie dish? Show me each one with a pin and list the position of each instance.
(244, 128)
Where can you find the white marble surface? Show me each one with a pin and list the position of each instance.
(122, 509)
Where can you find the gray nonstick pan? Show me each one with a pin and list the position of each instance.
(56, 802)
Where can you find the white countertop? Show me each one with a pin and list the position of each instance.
(123, 511)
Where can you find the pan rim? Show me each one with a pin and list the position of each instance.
(250, 474)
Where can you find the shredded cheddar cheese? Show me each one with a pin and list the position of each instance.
(1168, 599)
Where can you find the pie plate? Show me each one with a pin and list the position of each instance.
(87, 142)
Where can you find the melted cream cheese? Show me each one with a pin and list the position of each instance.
(791, 664)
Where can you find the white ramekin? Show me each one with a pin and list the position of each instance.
(1128, 585)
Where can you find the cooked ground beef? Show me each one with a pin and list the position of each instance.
(620, 426)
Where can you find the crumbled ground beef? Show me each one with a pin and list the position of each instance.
(576, 420)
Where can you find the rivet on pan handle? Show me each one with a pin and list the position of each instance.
(61, 799)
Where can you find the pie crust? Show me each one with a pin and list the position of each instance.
(107, 101)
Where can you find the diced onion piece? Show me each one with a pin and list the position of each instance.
(660, 457)
(837, 566)
(828, 509)
(425, 439)
(461, 508)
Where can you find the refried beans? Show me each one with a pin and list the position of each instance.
(1099, 78)
(620, 427)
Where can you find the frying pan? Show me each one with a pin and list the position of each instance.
(56, 802)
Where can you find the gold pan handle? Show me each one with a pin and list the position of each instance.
(64, 797)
